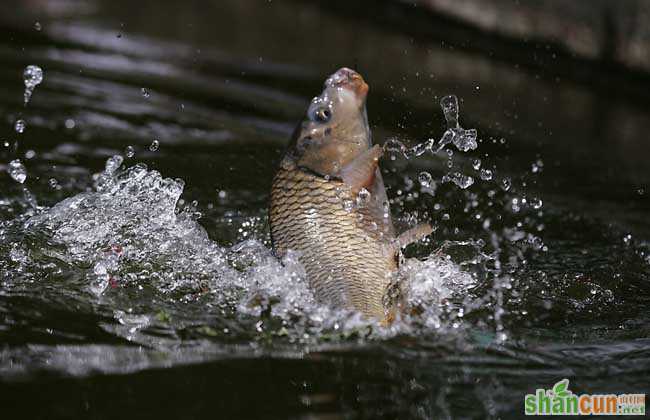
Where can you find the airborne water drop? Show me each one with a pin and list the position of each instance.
(17, 171)
(32, 77)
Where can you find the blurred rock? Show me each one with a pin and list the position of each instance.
(616, 31)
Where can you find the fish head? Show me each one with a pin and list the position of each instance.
(335, 129)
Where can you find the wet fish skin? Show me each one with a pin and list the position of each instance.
(328, 202)
(347, 261)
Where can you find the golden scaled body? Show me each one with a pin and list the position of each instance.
(347, 256)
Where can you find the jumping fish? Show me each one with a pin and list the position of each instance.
(329, 204)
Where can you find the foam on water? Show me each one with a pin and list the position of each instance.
(130, 234)
(128, 231)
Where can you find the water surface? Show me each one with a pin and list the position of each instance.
(152, 290)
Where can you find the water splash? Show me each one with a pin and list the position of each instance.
(425, 179)
(506, 183)
(461, 180)
(17, 171)
(486, 174)
(32, 77)
(129, 233)
(132, 236)
(464, 140)
(19, 126)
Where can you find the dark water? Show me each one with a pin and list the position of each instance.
(129, 303)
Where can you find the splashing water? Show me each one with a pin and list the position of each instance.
(19, 126)
(17, 171)
(127, 231)
(32, 77)
(464, 140)
(502, 242)
(425, 179)
(133, 236)
(130, 236)
(463, 181)
(486, 174)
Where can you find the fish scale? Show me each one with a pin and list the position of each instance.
(346, 259)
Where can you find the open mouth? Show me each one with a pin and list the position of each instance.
(349, 79)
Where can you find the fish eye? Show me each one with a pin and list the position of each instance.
(322, 115)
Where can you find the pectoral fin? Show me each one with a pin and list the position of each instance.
(360, 173)
(414, 234)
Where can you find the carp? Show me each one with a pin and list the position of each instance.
(328, 203)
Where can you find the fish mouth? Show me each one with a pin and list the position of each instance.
(349, 79)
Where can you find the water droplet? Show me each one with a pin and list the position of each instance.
(154, 145)
(627, 239)
(32, 77)
(70, 123)
(395, 146)
(30, 154)
(17, 171)
(38, 26)
(506, 184)
(461, 180)
(515, 205)
(536, 203)
(447, 137)
(425, 179)
(53, 183)
(129, 151)
(465, 140)
(476, 164)
(113, 163)
(486, 174)
(640, 191)
(419, 149)
(19, 126)
(537, 166)
(363, 198)
(449, 106)
(145, 92)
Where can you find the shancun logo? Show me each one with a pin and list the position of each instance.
(560, 401)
